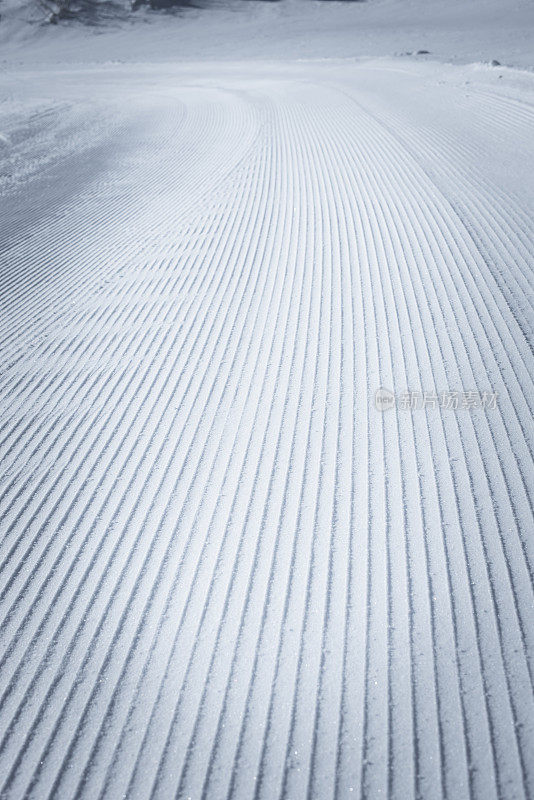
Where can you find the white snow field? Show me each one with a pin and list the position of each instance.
(224, 573)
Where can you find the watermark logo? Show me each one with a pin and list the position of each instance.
(448, 400)
(384, 399)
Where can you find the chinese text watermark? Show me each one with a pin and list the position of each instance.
(448, 399)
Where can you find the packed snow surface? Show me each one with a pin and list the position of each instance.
(224, 571)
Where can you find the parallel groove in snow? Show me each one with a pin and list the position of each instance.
(222, 572)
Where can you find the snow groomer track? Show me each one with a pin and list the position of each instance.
(224, 572)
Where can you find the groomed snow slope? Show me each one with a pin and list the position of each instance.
(224, 572)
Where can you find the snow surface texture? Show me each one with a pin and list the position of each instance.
(224, 572)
